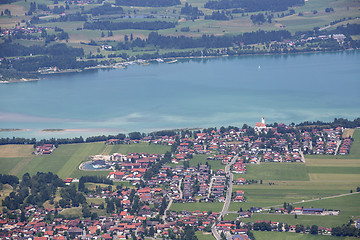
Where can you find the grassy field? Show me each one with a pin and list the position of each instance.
(65, 160)
(275, 171)
(320, 177)
(294, 236)
(204, 236)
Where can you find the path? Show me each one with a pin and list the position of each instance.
(179, 188)
(167, 208)
(317, 199)
(106, 150)
(210, 186)
(338, 143)
(302, 157)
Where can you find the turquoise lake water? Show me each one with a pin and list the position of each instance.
(189, 93)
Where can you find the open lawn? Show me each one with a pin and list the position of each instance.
(275, 171)
(259, 235)
(4, 192)
(15, 151)
(204, 235)
(74, 212)
(65, 160)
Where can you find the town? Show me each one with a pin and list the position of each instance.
(143, 186)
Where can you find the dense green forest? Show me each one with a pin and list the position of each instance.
(107, 25)
(148, 3)
(254, 5)
(105, 9)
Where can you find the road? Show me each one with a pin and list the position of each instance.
(227, 199)
(210, 186)
(302, 156)
(338, 143)
(179, 188)
(167, 208)
(229, 192)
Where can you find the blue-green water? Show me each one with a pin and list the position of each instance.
(189, 93)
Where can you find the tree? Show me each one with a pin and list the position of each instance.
(314, 229)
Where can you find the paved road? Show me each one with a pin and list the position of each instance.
(302, 156)
(167, 208)
(228, 198)
(179, 188)
(229, 192)
(338, 143)
(210, 186)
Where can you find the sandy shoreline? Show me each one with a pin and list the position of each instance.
(66, 130)
(13, 130)
(21, 80)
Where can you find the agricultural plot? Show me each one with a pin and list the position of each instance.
(65, 160)
(325, 176)
(295, 236)
(276, 171)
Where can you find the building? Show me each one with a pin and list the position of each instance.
(260, 125)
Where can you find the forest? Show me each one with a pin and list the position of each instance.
(107, 25)
(254, 5)
(148, 3)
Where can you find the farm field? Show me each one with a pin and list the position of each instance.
(259, 235)
(327, 176)
(276, 171)
(65, 160)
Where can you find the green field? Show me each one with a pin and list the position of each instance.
(320, 177)
(275, 171)
(204, 236)
(65, 160)
(294, 236)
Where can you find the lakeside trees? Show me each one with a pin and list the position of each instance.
(148, 3)
(107, 25)
(254, 5)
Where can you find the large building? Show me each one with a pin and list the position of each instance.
(260, 125)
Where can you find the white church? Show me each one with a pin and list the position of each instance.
(260, 125)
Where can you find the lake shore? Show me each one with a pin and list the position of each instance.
(170, 60)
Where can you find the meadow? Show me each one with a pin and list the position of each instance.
(65, 160)
(326, 176)
(295, 236)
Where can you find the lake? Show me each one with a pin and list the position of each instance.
(187, 94)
